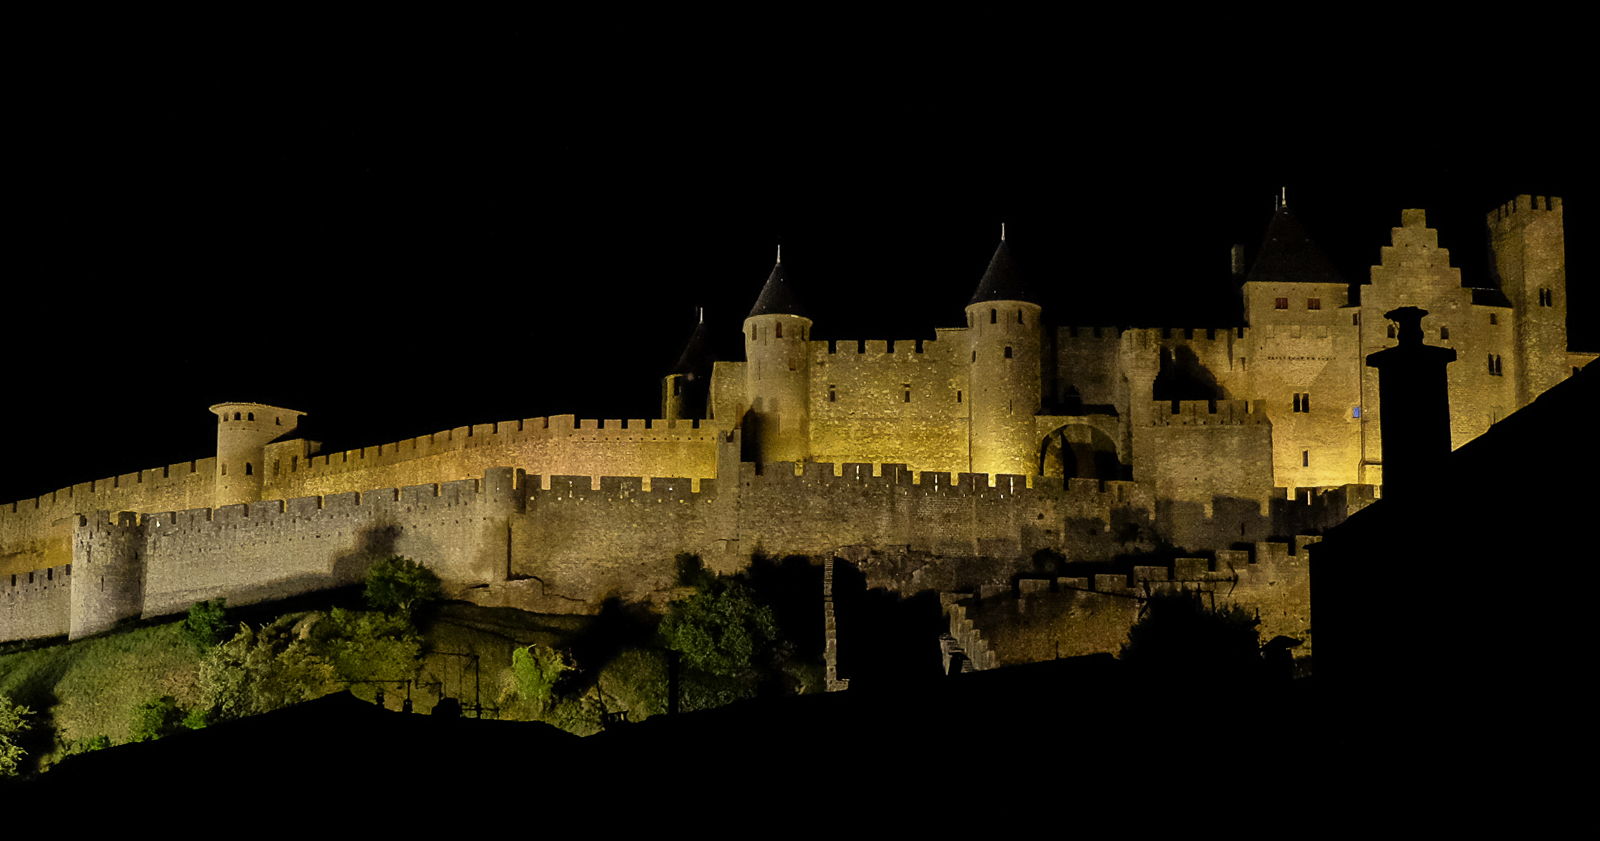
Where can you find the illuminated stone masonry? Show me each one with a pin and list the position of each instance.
(971, 451)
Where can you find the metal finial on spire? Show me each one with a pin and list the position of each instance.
(1283, 196)
(780, 252)
(1002, 232)
(700, 313)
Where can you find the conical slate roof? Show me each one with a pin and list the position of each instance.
(777, 297)
(1002, 282)
(1288, 255)
(697, 358)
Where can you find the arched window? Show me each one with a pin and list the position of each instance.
(235, 415)
(248, 470)
(252, 416)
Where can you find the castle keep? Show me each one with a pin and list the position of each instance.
(943, 463)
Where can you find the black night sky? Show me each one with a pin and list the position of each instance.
(402, 235)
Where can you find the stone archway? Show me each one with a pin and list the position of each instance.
(1079, 451)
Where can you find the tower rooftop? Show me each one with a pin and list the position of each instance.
(1002, 281)
(1288, 255)
(777, 296)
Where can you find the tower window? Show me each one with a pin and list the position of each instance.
(1391, 329)
(1302, 402)
(248, 470)
(908, 395)
(235, 415)
(1494, 318)
(1305, 458)
(1546, 298)
(1313, 303)
(1494, 364)
(1008, 352)
(1444, 333)
(1019, 317)
(224, 468)
(958, 396)
(1282, 303)
(994, 316)
(974, 356)
(1355, 319)
(251, 416)
(777, 330)
(833, 396)
(279, 421)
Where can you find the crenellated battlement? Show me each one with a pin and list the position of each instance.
(506, 434)
(1206, 413)
(875, 349)
(501, 486)
(1522, 208)
(1088, 334)
(83, 495)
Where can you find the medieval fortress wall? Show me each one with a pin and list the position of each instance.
(1071, 617)
(993, 440)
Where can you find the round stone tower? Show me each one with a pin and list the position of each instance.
(1003, 327)
(777, 424)
(243, 432)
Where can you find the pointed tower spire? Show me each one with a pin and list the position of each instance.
(1001, 282)
(777, 296)
(1288, 255)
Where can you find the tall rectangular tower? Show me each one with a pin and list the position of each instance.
(1530, 258)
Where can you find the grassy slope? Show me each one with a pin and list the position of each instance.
(88, 688)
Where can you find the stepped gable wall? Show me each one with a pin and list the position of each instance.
(557, 445)
(877, 401)
(277, 548)
(36, 533)
(35, 603)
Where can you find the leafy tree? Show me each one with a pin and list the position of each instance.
(369, 645)
(538, 668)
(206, 625)
(100, 742)
(692, 571)
(722, 629)
(156, 718)
(13, 721)
(401, 585)
(257, 672)
(1179, 637)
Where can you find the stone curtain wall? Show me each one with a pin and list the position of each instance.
(998, 627)
(36, 533)
(272, 549)
(558, 445)
(35, 603)
(859, 407)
